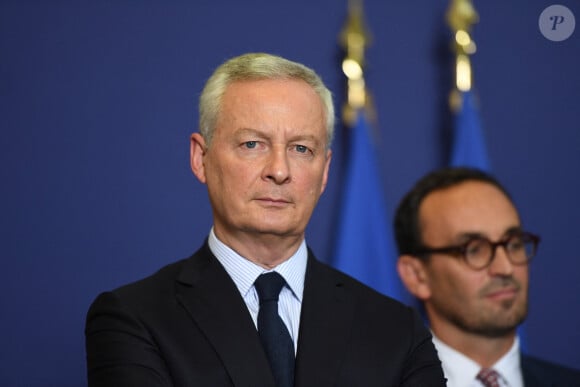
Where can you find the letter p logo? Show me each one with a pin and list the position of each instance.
(557, 23)
(556, 20)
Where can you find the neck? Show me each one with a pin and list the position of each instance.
(484, 350)
(266, 250)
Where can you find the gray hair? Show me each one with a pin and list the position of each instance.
(257, 66)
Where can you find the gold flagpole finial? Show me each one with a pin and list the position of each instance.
(354, 38)
(461, 16)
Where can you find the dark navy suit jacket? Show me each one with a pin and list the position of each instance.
(188, 325)
(540, 373)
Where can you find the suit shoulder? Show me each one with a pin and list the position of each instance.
(165, 274)
(547, 373)
(360, 289)
(145, 291)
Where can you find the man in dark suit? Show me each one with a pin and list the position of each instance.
(263, 151)
(464, 254)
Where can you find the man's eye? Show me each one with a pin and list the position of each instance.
(515, 244)
(251, 144)
(475, 247)
(301, 148)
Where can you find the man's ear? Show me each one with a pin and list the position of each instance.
(197, 151)
(414, 275)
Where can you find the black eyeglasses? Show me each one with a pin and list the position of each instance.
(479, 252)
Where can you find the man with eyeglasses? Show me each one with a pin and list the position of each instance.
(464, 255)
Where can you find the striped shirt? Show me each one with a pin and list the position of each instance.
(244, 273)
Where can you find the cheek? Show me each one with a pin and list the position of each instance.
(521, 275)
(228, 173)
(454, 284)
(311, 180)
(312, 188)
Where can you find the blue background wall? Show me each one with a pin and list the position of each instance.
(97, 100)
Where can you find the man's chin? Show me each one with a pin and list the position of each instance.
(273, 230)
(500, 327)
(496, 331)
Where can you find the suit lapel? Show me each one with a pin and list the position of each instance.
(213, 301)
(530, 373)
(326, 319)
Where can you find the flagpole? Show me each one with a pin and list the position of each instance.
(354, 38)
(461, 16)
(364, 246)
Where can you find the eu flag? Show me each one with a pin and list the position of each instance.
(364, 246)
(469, 143)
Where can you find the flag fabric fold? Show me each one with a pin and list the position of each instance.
(469, 148)
(364, 246)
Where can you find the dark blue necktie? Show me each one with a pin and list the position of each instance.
(273, 332)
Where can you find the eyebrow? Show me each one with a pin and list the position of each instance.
(307, 137)
(249, 131)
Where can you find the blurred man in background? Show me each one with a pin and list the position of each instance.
(464, 253)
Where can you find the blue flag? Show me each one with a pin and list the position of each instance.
(365, 247)
(469, 143)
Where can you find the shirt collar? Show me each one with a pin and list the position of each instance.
(244, 272)
(509, 365)
(458, 368)
(462, 371)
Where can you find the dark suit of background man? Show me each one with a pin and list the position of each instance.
(465, 255)
(263, 150)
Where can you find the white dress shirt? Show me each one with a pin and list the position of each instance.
(244, 272)
(461, 371)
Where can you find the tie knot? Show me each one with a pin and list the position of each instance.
(488, 377)
(268, 286)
